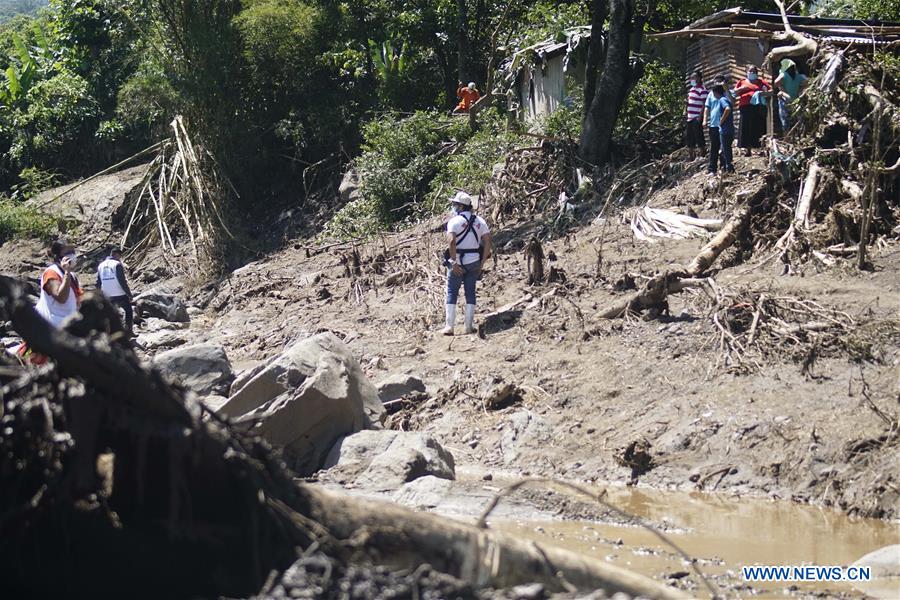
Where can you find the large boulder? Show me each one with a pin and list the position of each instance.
(306, 398)
(163, 306)
(884, 562)
(397, 386)
(423, 493)
(203, 368)
(386, 459)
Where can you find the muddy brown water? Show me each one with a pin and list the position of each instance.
(724, 533)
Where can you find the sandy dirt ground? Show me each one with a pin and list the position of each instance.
(649, 402)
(589, 387)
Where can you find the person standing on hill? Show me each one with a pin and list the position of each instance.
(469, 239)
(468, 95)
(751, 102)
(693, 135)
(60, 291)
(791, 84)
(112, 282)
(726, 130)
(715, 103)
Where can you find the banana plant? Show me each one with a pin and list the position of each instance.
(20, 79)
(389, 64)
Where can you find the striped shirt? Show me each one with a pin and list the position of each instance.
(696, 100)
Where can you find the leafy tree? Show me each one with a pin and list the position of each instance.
(10, 9)
(883, 10)
(54, 126)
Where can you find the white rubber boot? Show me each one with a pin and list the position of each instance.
(470, 318)
(451, 320)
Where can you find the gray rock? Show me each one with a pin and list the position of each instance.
(349, 188)
(203, 368)
(424, 492)
(386, 459)
(153, 325)
(305, 399)
(398, 386)
(163, 306)
(213, 402)
(531, 591)
(162, 339)
(884, 562)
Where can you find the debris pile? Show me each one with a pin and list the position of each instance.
(178, 204)
(839, 164)
(116, 480)
(751, 326)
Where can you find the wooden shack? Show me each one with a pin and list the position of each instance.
(724, 43)
(541, 77)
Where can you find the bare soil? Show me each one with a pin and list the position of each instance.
(795, 427)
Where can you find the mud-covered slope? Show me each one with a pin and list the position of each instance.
(794, 426)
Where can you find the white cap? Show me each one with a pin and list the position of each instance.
(462, 198)
(471, 85)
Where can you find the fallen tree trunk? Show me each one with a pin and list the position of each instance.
(192, 507)
(406, 539)
(723, 240)
(807, 192)
(653, 294)
(803, 44)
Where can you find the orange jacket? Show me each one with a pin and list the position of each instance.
(466, 97)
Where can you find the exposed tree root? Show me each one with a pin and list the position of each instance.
(185, 506)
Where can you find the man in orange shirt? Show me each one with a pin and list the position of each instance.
(468, 95)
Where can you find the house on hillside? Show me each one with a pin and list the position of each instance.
(727, 41)
(536, 76)
(544, 76)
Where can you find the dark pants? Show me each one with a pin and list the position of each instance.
(124, 303)
(727, 139)
(753, 123)
(693, 134)
(468, 280)
(715, 143)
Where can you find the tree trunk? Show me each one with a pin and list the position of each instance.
(462, 41)
(599, 11)
(600, 117)
(640, 22)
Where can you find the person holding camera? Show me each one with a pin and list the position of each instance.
(470, 244)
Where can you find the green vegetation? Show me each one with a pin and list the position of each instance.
(882, 10)
(658, 95)
(271, 87)
(20, 221)
(400, 157)
(12, 8)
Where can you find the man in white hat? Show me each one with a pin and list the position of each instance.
(470, 244)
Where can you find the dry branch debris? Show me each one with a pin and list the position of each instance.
(181, 197)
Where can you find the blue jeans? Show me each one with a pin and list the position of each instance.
(784, 113)
(727, 158)
(468, 279)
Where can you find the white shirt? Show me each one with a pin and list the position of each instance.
(109, 282)
(48, 307)
(472, 241)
